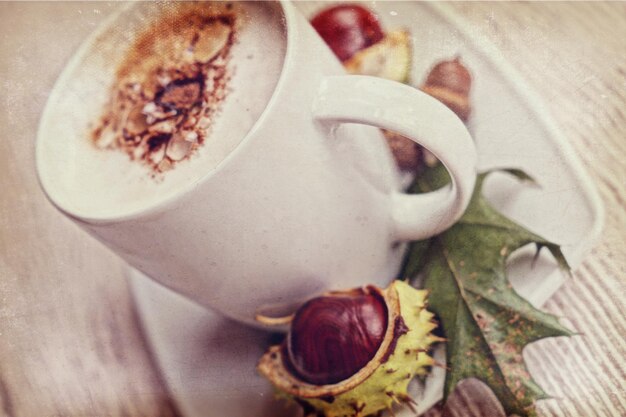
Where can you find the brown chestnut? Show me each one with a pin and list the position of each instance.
(452, 75)
(450, 82)
(350, 324)
(334, 336)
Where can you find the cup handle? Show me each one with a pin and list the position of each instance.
(421, 118)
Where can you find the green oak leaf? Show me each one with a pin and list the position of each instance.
(486, 323)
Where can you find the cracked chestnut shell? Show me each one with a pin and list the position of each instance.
(383, 380)
(333, 336)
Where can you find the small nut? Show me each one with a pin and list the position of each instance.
(165, 126)
(136, 122)
(181, 94)
(452, 75)
(450, 82)
(155, 112)
(211, 42)
(165, 165)
(149, 108)
(178, 148)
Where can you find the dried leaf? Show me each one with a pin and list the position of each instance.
(486, 323)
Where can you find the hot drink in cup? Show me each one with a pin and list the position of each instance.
(182, 95)
(221, 149)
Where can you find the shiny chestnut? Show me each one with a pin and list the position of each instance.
(334, 336)
(347, 29)
(336, 333)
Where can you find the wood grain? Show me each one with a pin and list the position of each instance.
(70, 343)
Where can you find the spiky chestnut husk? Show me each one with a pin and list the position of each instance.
(384, 380)
(389, 58)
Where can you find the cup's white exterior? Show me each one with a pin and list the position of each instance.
(301, 206)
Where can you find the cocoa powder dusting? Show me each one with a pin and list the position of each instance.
(170, 85)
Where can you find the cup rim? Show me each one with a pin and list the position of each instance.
(289, 17)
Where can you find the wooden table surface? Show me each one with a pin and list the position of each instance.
(70, 342)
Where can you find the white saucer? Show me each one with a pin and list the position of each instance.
(209, 362)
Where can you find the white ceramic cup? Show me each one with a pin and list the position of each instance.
(309, 201)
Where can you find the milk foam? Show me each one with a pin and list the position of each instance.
(96, 183)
